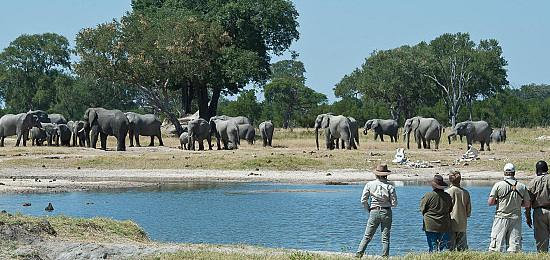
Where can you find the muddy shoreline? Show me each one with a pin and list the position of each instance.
(29, 180)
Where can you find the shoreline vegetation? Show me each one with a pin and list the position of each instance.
(293, 159)
(52, 237)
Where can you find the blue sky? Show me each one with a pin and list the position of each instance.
(337, 35)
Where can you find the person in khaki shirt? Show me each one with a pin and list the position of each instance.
(382, 198)
(462, 209)
(509, 196)
(539, 189)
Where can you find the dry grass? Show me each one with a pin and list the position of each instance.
(293, 150)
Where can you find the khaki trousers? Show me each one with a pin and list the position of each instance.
(541, 225)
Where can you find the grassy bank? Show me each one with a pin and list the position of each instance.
(102, 230)
(293, 150)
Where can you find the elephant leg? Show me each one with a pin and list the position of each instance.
(121, 143)
(265, 141)
(382, 137)
(19, 135)
(201, 145)
(488, 148)
(482, 144)
(136, 137)
(152, 141)
(269, 141)
(160, 140)
(2, 141)
(103, 140)
(375, 135)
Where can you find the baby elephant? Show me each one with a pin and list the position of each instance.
(38, 136)
(184, 140)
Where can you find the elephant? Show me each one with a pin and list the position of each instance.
(199, 130)
(43, 117)
(38, 136)
(19, 124)
(52, 133)
(247, 132)
(382, 127)
(240, 120)
(184, 140)
(335, 127)
(266, 131)
(64, 134)
(354, 126)
(226, 131)
(105, 122)
(498, 135)
(425, 130)
(146, 125)
(78, 132)
(474, 131)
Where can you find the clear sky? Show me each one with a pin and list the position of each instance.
(337, 35)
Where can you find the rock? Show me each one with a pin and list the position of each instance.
(49, 208)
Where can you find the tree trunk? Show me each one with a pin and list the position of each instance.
(213, 107)
(202, 101)
(469, 101)
(184, 99)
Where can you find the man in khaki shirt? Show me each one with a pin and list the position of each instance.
(462, 209)
(509, 196)
(382, 198)
(539, 189)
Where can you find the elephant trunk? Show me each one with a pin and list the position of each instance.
(451, 135)
(408, 138)
(317, 137)
(365, 131)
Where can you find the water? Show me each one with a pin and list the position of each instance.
(310, 217)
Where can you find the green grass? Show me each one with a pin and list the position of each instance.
(94, 229)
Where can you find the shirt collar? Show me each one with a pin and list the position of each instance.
(509, 177)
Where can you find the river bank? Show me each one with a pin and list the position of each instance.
(30, 180)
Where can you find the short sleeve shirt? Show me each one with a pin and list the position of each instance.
(381, 193)
(539, 189)
(508, 200)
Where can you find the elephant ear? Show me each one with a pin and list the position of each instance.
(131, 117)
(92, 116)
(374, 125)
(325, 122)
(415, 123)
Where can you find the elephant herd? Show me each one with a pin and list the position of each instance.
(228, 130)
(423, 129)
(99, 123)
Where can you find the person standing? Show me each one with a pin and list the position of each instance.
(382, 197)
(509, 196)
(436, 206)
(539, 189)
(462, 209)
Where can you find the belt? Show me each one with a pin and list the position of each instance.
(379, 208)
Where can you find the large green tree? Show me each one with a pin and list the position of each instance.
(286, 96)
(391, 76)
(463, 70)
(30, 66)
(151, 55)
(257, 28)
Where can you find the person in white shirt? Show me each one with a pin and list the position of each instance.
(382, 198)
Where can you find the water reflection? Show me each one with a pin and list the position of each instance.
(311, 217)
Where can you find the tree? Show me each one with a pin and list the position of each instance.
(257, 28)
(391, 76)
(286, 96)
(30, 66)
(151, 55)
(463, 71)
(245, 105)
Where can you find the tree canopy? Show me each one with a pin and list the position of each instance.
(30, 66)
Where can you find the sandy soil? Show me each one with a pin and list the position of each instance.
(28, 180)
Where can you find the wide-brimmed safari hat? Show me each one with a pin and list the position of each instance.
(438, 183)
(381, 170)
